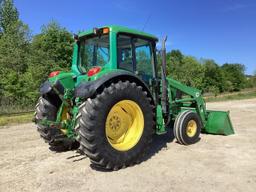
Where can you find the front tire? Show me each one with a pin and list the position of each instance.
(115, 128)
(187, 127)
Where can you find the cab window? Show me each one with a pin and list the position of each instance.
(135, 55)
(144, 57)
(125, 56)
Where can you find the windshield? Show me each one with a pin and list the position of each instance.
(93, 51)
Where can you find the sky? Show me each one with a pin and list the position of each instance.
(223, 30)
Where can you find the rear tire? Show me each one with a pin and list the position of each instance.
(187, 127)
(54, 137)
(93, 126)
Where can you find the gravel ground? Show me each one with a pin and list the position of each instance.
(216, 163)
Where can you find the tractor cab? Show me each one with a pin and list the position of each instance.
(114, 48)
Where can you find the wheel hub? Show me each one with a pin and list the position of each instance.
(115, 122)
(124, 125)
(191, 128)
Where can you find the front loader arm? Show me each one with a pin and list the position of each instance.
(194, 100)
(214, 122)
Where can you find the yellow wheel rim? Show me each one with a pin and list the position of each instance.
(191, 128)
(64, 117)
(124, 125)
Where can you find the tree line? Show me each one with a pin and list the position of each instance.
(207, 75)
(26, 60)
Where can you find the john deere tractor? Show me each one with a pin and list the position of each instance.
(116, 97)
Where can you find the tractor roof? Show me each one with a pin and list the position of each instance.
(120, 29)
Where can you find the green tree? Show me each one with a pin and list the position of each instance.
(14, 51)
(9, 16)
(213, 77)
(50, 50)
(234, 76)
(56, 42)
(175, 64)
(192, 72)
(37, 72)
(185, 69)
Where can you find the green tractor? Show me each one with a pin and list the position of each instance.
(114, 99)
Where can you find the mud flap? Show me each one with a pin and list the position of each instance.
(219, 123)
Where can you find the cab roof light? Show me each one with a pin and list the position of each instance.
(105, 30)
(97, 31)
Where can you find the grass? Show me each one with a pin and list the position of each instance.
(237, 96)
(16, 119)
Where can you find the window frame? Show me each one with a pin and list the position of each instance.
(132, 52)
(152, 44)
(79, 49)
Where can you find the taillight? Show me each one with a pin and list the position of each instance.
(93, 71)
(105, 30)
(54, 73)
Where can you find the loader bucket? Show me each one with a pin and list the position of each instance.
(218, 122)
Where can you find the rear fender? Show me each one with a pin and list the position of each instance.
(52, 92)
(89, 89)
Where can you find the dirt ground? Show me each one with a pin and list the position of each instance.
(216, 163)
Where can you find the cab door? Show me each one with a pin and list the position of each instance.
(136, 55)
(144, 59)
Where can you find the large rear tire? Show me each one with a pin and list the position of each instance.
(53, 136)
(115, 128)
